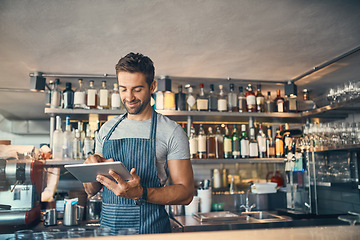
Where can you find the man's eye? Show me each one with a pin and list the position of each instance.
(137, 89)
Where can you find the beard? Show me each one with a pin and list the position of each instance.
(136, 109)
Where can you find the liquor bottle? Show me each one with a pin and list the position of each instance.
(213, 101)
(232, 100)
(244, 143)
(57, 141)
(235, 143)
(68, 97)
(261, 139)
(222, 101)
(253, 145)
(193, 143)
(202, 101)
(279, 145)
(292, 103)
(88, 144)
(115, 97)
(80, 96)
(68, 141)
(287, 137)
(219, 140)
(270, 145)
(201, 143)
(77, 146)
(210, 144)
(104, 101)
(260, 100)
(227, 143)
(82, 132)
(269, 103)
(279, 102)
(242, 100)
(48, 93)
(96, 132)
(169, 100)
(55, 95)
(180, 99)
(286, 103)
(92, 98)
(190, 100)
(306, 103)
(159, 100)
(250, 99)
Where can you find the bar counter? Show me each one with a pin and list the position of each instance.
(308, 233)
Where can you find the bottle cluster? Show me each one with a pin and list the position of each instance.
(233, 101)
(84, 97)
(243, 142)
(72, 143)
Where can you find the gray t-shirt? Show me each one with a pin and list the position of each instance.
(171, 140)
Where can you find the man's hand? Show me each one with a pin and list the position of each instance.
(97, 159)
(131, 189)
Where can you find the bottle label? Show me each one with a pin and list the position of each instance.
(193, 144)
(55, 99)
(79, 98)
(202, 104)
(222, 105)
(279, 147)
(244, 147)
(260, 100)
(280, 106)
(202, 144)
(242, 104)
(159, 102)
(251, 101)
(262, 143)
(115, 100)
(169, 101)
(254, 150)
(91, 97)
(227, 145)
(104, 97)
(191, 101)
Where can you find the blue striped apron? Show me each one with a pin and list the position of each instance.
(118, 212)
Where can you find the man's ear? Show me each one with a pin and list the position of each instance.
(153, 86)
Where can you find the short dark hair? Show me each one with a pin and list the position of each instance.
(137, 63)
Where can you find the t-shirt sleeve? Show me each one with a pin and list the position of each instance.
(98, 143)
(178, 147)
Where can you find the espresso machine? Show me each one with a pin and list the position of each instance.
(20, 190)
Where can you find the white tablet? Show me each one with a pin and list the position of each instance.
(88, 172)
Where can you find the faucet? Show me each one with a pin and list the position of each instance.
(246, 207)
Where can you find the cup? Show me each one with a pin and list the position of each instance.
(127, 231)
(205, 196)
(76, 233)
(23, 234)
(50, 217)
(193, 207)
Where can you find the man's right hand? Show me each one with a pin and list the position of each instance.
(97, 158)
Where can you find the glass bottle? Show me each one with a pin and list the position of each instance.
(48, 93)
(210, 144)
(193, 143)
(180, 99)
(242, 100)
(68, 97)
(222, 101)
(244, 143)
(104, 102)
(253, 145)
(232, 99)
(96, 132)
(82, 132)
(190, 100)
(260, 100)
(227, 143)
(201, 143)
(68, 141)
(235, 143)
(292, 103)
(269, 103)
(270, 146)
(115, 97)
(88, 144)
(80, 96)
(55, 95)
(213, 101)
(57, 141)
(279, 145)
(169, 100)
(306, 103)
(92, 98)
(261, 139)
(287, 137)
(279, 102)
(77, 147)
(250, 99)
(202, 101)
(219, 140)
(159, 100)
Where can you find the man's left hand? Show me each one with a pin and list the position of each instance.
(131, 189)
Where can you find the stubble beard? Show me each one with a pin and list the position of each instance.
(137, 109)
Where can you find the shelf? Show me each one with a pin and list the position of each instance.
(59, 163)
(338, 148)
(241, 160)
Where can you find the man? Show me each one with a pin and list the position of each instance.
(154, 147)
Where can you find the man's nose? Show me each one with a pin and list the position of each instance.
(129, 96)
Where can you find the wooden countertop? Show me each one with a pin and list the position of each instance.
(308, 233)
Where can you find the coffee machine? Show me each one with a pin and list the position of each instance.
(20, 190)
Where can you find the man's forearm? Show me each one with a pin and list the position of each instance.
(92, 188)
(176, 194)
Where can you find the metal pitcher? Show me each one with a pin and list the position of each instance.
(72, 212)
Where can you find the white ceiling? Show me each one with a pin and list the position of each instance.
(253, 39)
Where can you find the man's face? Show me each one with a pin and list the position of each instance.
(134, 91)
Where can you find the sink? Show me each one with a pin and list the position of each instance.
(264, 216)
